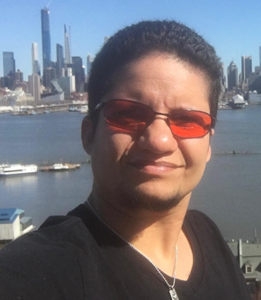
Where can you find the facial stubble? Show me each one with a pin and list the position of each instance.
(136, 200)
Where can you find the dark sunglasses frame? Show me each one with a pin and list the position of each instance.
(150, 120)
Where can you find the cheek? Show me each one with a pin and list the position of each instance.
(196, 152)
(109, 148)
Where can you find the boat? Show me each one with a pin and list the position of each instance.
(60, 167)
(17, 169)
(84, 109)
(237, 102)
(73, 109)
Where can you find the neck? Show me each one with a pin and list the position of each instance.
(155, 234)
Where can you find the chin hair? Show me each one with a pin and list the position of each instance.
(137, 200)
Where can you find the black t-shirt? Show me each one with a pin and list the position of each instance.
(77, 257)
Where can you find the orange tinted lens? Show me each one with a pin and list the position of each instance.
(128, 115)
(190, 124)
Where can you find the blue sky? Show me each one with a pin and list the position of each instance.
(232, 27)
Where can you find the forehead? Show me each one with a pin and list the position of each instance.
(161, 78)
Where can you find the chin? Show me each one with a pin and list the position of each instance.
(137, 199)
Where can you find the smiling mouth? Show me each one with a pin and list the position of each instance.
(148, 166)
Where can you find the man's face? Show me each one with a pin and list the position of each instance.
(152, 169)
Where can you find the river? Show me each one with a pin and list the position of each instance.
(230, 191)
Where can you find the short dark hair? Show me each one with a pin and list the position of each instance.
(135, 41)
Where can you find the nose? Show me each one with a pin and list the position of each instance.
(158, 138)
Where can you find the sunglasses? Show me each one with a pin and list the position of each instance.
(136, 116)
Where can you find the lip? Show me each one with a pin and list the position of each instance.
(153, 167)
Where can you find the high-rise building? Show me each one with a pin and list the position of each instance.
(34, 86)
(223, 77)
(46, 38)
(232, 75)
(78, 72)
(35, 60)
(19, 76)
(59, 60)
(246, 65)
(9, 63)
(89, 64)
(49, 75)
(67, 82)
(67, 47)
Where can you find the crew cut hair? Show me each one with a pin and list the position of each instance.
(143, 38)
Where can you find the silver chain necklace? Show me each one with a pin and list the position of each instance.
(172, 291)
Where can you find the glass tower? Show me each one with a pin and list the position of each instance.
(59, 60)
(9, 63)
(46, 38)
(78, 72)
(246, 62)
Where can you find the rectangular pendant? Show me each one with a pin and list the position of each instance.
(173, 294)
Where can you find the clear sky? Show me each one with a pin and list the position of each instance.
(232, 27)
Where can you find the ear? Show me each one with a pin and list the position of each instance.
(212, 132)
(87, 134)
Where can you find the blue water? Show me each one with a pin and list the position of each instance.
(230, 191)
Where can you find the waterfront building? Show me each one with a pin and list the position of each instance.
(78, 72)
(19, 76)
(67, 83)
(59, 60)
(254, 98)
(248, 256)
(15, 96)
(49, 74)
(232, 76)
(34, 87)
(9, 63)
(48, 98)
(35, 60)
(13, 223)
(67, 47)
(246, 67)
(6, 82)
(255, 84)
(20, 84)
(46, 41)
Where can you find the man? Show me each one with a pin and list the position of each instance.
(153, 94)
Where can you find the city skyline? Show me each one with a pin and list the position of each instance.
(90, 22)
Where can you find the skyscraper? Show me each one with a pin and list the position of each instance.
(59, 60)
(246, 65)
(46, 39)
(35, 61)
(9, 63)
(67, 47)
(89, 64)
(19, 76)
(78, 72)
(34, 86)
(232, 75)
(49, 75)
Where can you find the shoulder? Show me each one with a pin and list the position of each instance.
(38, 258)
(206, 232)
(210, 241)
(201, 222)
